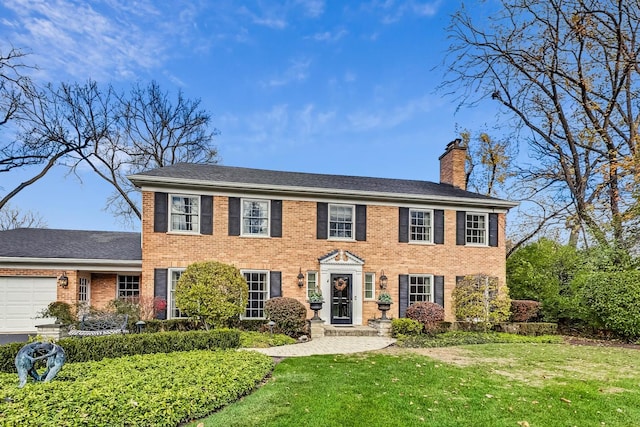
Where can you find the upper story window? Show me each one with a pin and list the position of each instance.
(420, 288)
(128, 286)
(476, 230)
(185, 213)
(420, 226)
(255, 217)
(341, 221)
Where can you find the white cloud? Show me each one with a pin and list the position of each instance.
(329, 36)
(367, 120)
(298, 71)
(313, 8)
(394, 11)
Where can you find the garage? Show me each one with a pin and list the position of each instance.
(21, 298)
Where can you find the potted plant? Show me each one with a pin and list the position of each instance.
(384, 303)
(315, 302)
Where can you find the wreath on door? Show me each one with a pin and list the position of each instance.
(340, 284)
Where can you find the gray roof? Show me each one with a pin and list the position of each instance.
(228, 176)
(74, 244)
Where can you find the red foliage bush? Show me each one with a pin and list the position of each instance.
(525, 310)
(289, 315)
(429, 314)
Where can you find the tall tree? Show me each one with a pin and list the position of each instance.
(12, 218)
(567, 73)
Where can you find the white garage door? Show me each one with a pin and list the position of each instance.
(21, 298)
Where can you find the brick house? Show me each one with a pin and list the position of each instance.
(289, 233)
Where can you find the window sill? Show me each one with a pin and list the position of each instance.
(185, 233)
(421, 243)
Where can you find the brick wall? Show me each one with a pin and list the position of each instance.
(299, 248)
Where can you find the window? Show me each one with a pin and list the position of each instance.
(476, 229)
(341, 221)
(255, 217)
(173, 311)
(128, 287)
(420, 226)
(184, 213)
(312, 281)
(83, 290)
(420, 288)
(258, 282)
(369, 286)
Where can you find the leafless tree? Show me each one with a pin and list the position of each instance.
(566, 71)
(12, 218)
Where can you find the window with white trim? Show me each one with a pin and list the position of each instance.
(420, 288)
(420, 225)
(184, 215)
(173, 312)
(341, 221)
(312, 281)
(476, 230)
(258, 283)
(369, 286)
(128, 287)
(255, 217)
(83, 290)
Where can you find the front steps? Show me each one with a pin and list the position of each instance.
(349, 331)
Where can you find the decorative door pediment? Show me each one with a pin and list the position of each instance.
(340, 257)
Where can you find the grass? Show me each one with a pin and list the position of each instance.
(479, 385)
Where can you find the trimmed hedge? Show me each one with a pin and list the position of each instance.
(528, 329)
(97, 348)
(525, 310)
(289, 315)
(142, 390)
(404, 326)
(465, 338)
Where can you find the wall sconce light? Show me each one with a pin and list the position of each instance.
(300, 278)
(63, 280)
(383, 280)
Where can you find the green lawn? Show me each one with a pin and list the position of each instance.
(479, 385)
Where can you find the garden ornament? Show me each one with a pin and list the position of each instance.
(28, 356)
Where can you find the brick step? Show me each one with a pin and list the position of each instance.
(349, 331)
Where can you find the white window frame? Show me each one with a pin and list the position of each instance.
(429, 228)
(266, 292)
(369, 280)
(353, 221)
(196, 228)
(84, 290)
(312, 281)
(245, 232)
(171, 290)
(412, 295)
(468, 239)
(120, 290)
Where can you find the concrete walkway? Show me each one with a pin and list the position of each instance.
(328, 345)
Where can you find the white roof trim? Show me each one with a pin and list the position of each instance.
(71, 264)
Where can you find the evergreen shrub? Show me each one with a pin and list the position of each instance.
(289, 315)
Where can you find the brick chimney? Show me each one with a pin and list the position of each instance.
(452, 165)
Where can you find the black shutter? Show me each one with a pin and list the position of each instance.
(361, 223)
(160, 289)
(206, 214)
(160, 215)
(438, 290)
(322, 221)
(276, 218)
(403, 296)
(438, 227)
(461, 220)
(403, 225)
(275, 284)
(493, 229)
(234, 216)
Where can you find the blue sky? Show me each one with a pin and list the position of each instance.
(302, 85)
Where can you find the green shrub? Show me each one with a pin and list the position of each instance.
(97, 348)
(455, 338)
(61, 311)
(524, 310)
(289, 314)
(141, 390)
(212, 292)
(528, 329)
(480, 299)
(247, 324)
(405, 326)
(611, 301)
(157, 325)
(429, 314)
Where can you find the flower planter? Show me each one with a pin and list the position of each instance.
(384, 307)
(315, 306)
